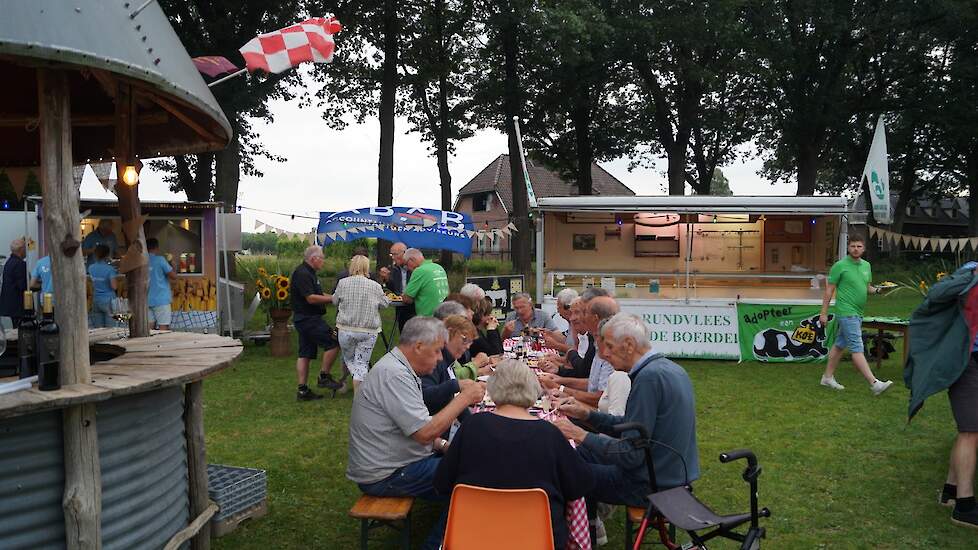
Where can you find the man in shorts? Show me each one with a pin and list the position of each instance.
(944, 355)
(849, 281)
(160, 295)
(308, 307)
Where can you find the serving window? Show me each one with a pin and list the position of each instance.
(181, 239)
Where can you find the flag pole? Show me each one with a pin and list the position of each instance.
(239, 72)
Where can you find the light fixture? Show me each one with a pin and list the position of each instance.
(130, 176)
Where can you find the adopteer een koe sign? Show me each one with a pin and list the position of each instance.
(415, 227)
(783, 333)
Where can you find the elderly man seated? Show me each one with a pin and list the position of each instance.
(587, 390)
(392, 436)
(661, 399)
(524, 315)
(564, 341)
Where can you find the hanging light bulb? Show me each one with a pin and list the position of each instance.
(130, 176)
(714, 218)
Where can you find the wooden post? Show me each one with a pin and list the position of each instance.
(82, 500)
(193, 418)
(136, 260)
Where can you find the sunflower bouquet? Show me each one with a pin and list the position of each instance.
(273, 289)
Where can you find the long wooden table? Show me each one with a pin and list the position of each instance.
(879, 325)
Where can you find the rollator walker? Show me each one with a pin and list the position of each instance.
(678, 506)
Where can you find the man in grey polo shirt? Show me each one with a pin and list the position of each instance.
(525, 315)
(392, 437)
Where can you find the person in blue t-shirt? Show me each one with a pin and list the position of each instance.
(102, 235)
(160, 295)
(41, 276)
(103, 288)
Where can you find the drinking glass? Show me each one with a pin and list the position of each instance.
(121, 314)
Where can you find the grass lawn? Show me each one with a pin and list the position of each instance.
(841, 469)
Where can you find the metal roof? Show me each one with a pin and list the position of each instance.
(694, 204)
(98, 43)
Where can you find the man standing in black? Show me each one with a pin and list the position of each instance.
(14, 282)
(396, 278)
(308, 307)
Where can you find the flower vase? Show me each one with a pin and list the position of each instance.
(279, 341)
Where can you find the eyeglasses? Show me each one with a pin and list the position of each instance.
(466, 340)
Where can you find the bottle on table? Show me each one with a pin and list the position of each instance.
(27, 339)
(49, 348)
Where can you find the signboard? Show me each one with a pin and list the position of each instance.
(692, 331)
(415, 227)
(500, 289)
(783, 333)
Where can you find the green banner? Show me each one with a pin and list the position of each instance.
(783, 333)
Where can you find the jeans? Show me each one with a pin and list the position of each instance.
(102, 314)
(611, 484)
(414, 480)
(850, 334)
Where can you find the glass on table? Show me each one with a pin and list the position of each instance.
(119, 309)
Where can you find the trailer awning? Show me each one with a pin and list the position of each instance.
(699, 204)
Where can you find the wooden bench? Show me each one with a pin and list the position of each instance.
(633, 520)
(374, 512)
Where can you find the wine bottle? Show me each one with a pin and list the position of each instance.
(49, 348)
(27, 338)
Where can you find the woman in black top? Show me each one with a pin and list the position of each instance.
(489, 340)
(512, 449)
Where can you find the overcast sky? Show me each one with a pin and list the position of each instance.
(333, 171)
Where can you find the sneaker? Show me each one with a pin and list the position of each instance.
(602, 534)
(831, 383)
(965, 519)
(945, 500)
(305, 394)
(326, 381)
(880, 386)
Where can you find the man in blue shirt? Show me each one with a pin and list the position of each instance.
(102, 235)
(103, 287)
(160, 295)
(661, 399)
(41, 276)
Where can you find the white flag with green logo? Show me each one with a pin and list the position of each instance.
(877, 173)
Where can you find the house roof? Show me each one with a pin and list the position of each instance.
(546, 183)
(946, 211)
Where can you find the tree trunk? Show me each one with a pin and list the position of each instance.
(676, 170)
(227, 172)
(441, 131)
(388, 96)
(807, 169)
(581, 117)
(135, 263)
(519, 242)
(82, 497)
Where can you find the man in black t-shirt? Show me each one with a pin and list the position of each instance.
(308, 307)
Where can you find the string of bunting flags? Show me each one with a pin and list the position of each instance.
(263, 227)
(352, 232)
(936, 244)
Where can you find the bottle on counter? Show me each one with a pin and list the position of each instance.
(27, 339)
(49, 348)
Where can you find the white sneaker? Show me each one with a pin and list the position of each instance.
(831, 383)
(880, 386)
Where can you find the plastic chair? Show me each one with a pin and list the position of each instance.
(515, 519)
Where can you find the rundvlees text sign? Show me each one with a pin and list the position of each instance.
(694, 330)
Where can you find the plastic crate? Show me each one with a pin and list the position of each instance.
(235, 489)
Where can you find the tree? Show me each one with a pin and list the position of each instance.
(437, 69)
(221, 27)
(681, 53)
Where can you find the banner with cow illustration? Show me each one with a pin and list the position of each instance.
(783, 333)
(500, 289)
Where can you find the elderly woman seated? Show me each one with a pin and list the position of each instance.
(512, 449)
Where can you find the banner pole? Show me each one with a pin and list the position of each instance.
(239, 72)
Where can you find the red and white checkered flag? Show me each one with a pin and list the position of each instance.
(275, 52)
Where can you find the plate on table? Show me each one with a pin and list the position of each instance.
(483, 378)
(887, 285)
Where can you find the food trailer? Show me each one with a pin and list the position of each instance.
(736, 277)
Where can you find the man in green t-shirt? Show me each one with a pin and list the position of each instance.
(428, 285)
(849, 280)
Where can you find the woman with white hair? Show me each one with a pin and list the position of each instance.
(358, 301)
(512, 449)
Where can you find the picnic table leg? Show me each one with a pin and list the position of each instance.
(906, 344)
(879, 348)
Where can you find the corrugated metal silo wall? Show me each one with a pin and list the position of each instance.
(144, 469)
(31, 482)
(143, 456)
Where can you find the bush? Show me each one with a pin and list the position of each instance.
(478, 266)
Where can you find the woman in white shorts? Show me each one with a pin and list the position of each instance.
(358, 301)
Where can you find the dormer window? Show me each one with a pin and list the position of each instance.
(482, 202)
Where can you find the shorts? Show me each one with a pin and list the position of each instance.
(357, 348)
(963, 395)
(160, 315)
(314, 333)
(850, 333)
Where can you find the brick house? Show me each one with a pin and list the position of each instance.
(488, 198)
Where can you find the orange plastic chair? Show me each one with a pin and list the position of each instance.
(515, 519)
